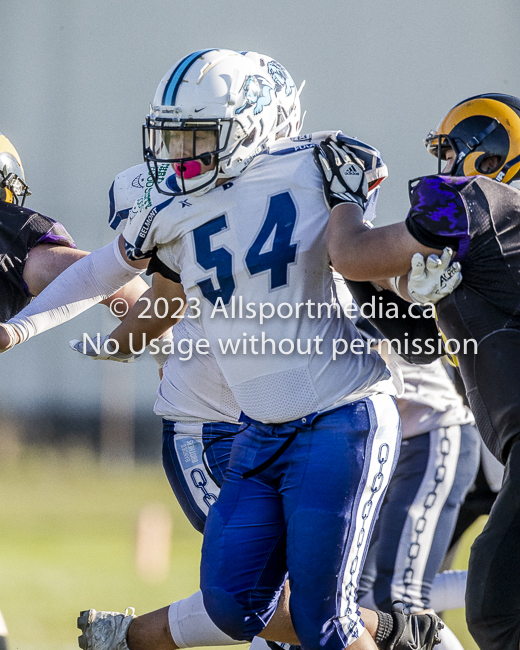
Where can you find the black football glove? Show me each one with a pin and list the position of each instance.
(343, 174)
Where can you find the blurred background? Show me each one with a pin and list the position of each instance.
(77, 80)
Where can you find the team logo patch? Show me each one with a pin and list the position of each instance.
(190, 452)
(138, 182)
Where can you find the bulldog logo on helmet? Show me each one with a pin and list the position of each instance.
(257, 93)
(280, 77)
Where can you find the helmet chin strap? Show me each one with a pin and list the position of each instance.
(472, 144)
(192, 182)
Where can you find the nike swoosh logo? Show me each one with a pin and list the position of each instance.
(198, 110)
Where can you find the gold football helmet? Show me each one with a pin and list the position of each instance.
(477, 128)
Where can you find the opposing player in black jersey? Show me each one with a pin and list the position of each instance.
(470, 207)
(34, 249)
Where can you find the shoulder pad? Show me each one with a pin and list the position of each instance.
(135, 184)
(375, 169)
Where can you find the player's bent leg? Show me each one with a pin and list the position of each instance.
(184, 624)
(433, 474)
(243, 567)
(280, 627)
(493, 593)
(191, 626)
(150, 632)
(346, 461)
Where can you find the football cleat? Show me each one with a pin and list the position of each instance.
(415, 632)
(104, 630)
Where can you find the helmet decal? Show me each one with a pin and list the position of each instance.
(280, 77)
(286, 95)
(257, 94)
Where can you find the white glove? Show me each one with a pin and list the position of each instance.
(430, 281)
(100, 350)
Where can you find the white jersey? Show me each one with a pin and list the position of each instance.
(429, 400)
(251, 256)
(191, 390)
(194, 390)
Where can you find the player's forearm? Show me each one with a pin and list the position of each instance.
(366, 255)
(85, 283)
(145, 322)
(46, 261)
(123, 301)
(363, 254)
(141, 325)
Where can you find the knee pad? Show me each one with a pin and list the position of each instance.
(191, 626)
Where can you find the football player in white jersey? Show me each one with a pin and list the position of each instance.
(435, 470)
(259, 238)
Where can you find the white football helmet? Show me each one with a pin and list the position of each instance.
(290, 119)
(212, 113)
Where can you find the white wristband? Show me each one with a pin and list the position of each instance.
(394, 282)
(11, 333)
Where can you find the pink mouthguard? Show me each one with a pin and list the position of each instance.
(189, 169)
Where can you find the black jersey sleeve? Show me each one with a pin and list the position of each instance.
(438, 215)
(21, 230)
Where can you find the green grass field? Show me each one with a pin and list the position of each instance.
(68, 542)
